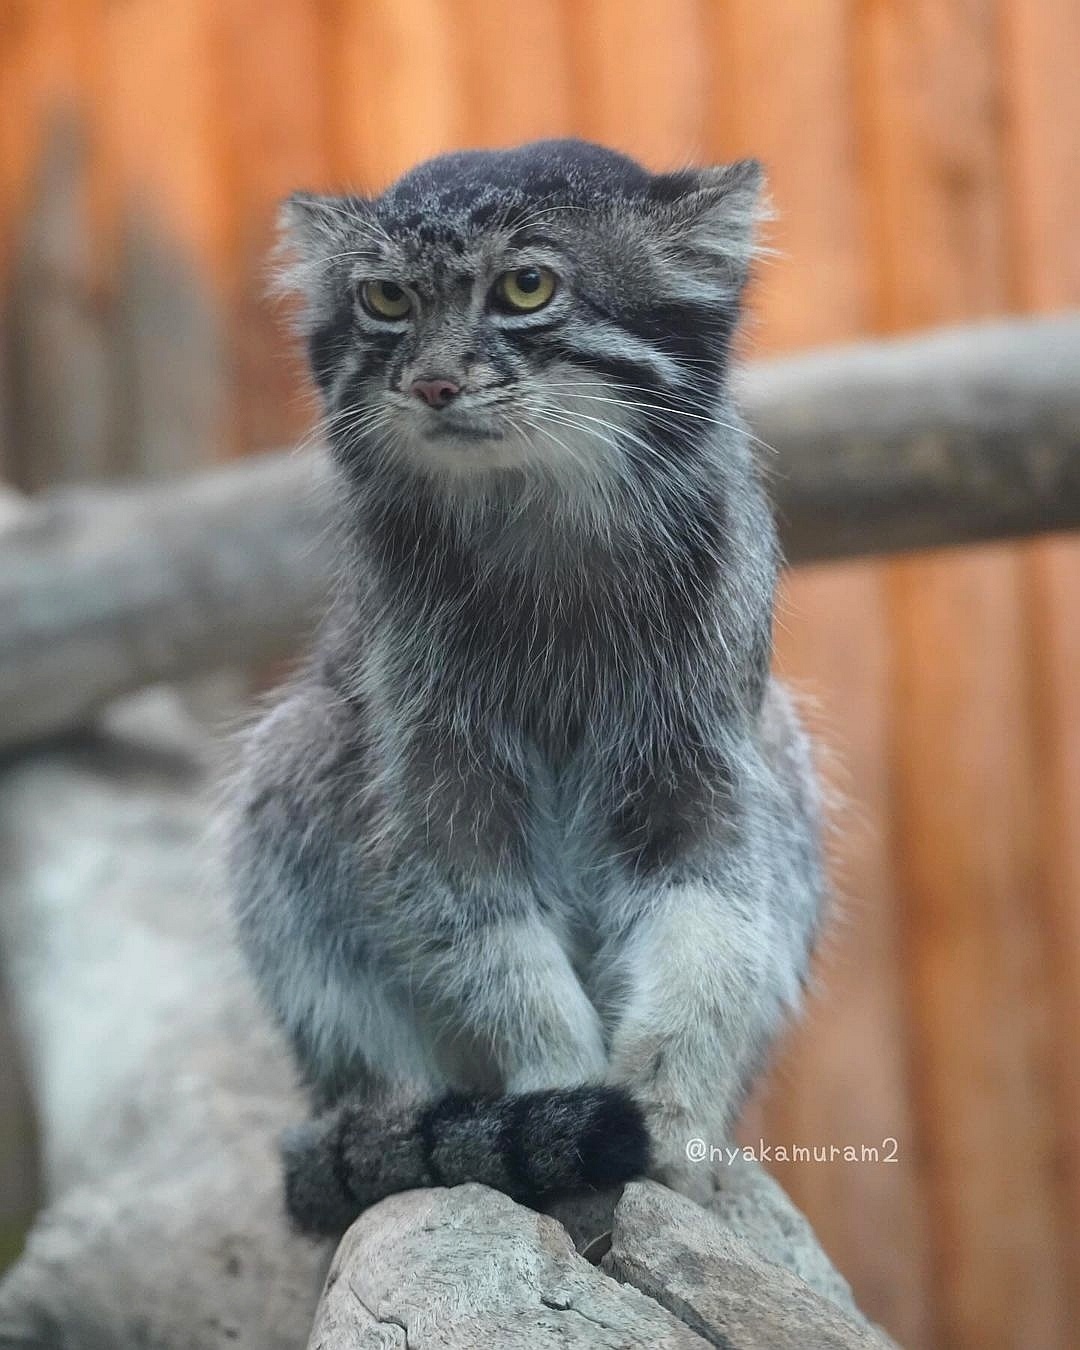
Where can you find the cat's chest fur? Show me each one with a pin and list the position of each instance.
(572, 857)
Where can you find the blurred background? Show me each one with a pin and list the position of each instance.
(925, 168)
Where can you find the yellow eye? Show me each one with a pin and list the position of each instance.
(525, 289)
(385, 299)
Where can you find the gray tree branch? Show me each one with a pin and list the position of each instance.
(948, 438)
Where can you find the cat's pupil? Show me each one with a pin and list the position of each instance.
(528, 280)
(391, 292)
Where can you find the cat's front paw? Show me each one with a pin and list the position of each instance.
(675, 1146)
(694, 1180)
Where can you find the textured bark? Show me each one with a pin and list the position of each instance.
(468, 1267)
(161, 1091)
(960, 435)
(105, 591)
(944, 439)
(716, 1282)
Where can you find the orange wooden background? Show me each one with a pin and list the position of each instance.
(925, 166)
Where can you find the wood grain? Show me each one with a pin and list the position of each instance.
(396, 87)
(515, 74)
(277, 140)
(639, 77)
(963, 769)
(1042, 165)
(162, 183)
(842, 1074)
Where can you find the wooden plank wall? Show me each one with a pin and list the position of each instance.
(926, 168)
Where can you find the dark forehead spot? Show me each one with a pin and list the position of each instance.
(424, 227)
(438, 232)
(487, 211)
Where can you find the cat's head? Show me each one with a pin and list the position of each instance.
(552, 311)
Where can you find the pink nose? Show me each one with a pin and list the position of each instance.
(435, 393)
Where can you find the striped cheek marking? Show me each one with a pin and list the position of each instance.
(611, 348)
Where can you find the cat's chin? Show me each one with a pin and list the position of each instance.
(464, 456)
(461, 453)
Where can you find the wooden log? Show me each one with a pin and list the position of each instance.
(161, 1091)
(963, 434)
(468, 1267)
(941, 439)
(104, 592)
(716, 1283)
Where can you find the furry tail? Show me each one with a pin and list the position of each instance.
(531, 1146)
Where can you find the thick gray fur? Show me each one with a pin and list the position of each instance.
(534, 816)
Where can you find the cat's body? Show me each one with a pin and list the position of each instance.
(534, 817)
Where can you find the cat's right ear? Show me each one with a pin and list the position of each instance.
(308, 221)
(313, 233)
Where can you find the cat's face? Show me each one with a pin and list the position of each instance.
(553, 310)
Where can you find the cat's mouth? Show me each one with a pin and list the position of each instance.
(463, 426)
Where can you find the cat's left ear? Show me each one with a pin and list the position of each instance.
(716, 211)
